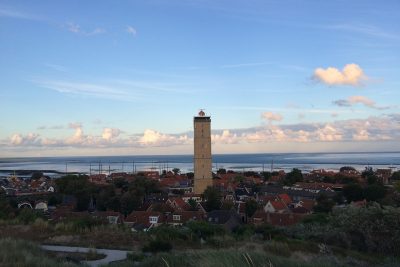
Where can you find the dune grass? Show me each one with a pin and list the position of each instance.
(21, 253)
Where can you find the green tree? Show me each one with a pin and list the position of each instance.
(36, 175)
(78, 186)
(129, 202)
(221, 171)
(324, 204)
(6, 210)
(251, 207)
(212, 197)
(266, 175)
(396, 175)
(293, 177)
(374, 192)
(193, 204)
(176, 171)
(353, 192)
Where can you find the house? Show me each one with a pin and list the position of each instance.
(196, 197)
(383, 175)
(229, 219)
(181, 217)
(112, 217)
(275, 206)
(144, 220)
(178, 204)
(243, 193)
(305, 203)
(285, 198)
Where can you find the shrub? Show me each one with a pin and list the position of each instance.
(155, 246)
(27, 215)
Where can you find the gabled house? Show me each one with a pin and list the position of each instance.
(178, 204)
(112, 217)
(277, 206)
(144, 220)
(181, 217)
(229, 219)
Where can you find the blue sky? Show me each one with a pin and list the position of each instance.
(126, 77)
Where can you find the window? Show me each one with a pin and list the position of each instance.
(153, 219)
(176, 217)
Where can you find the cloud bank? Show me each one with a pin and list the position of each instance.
(374, 128)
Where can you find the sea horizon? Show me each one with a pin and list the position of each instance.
(239, 162)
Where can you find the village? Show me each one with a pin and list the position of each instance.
(276, 198)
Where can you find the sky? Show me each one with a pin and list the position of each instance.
(127, 77)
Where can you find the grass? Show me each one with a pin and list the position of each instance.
(232, 258)
(76, 256)
(21, 253)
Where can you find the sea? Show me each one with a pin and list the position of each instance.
(58, 166)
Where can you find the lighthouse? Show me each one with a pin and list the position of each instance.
(202, 152)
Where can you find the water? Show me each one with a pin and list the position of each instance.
(239, 162)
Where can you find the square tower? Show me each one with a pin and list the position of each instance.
(202, 153)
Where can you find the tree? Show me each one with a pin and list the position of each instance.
(36, 175)
(176, 171)
(293, 177)
(324, 204)
(353, 192)
(251, 207)
(212, 197)
(129, 202)
(193, 204)
(374, 192)
(221, 171)
(396, 175)
(397, 186)
(266, 175)
(78, 186)
(347, 168)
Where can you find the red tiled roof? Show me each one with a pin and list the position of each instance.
(278, 205)
(307, 203)
(142, 217)
(285, 198)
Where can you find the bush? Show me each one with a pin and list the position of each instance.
(135, 256)
(156, 246)
(27, 215)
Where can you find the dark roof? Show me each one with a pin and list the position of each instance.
(221, 216)
(298, 192)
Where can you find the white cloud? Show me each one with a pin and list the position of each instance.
(226, 137)
(131, 30)
(76, 28)
(352, 74)
(72, 27)
(270, 116)
(361, 135)
(18, 139)
(110, 133)
(329, 133)
(357, 99)
(155, 138)
(10, 13)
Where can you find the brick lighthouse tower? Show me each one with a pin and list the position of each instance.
(202, 152)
